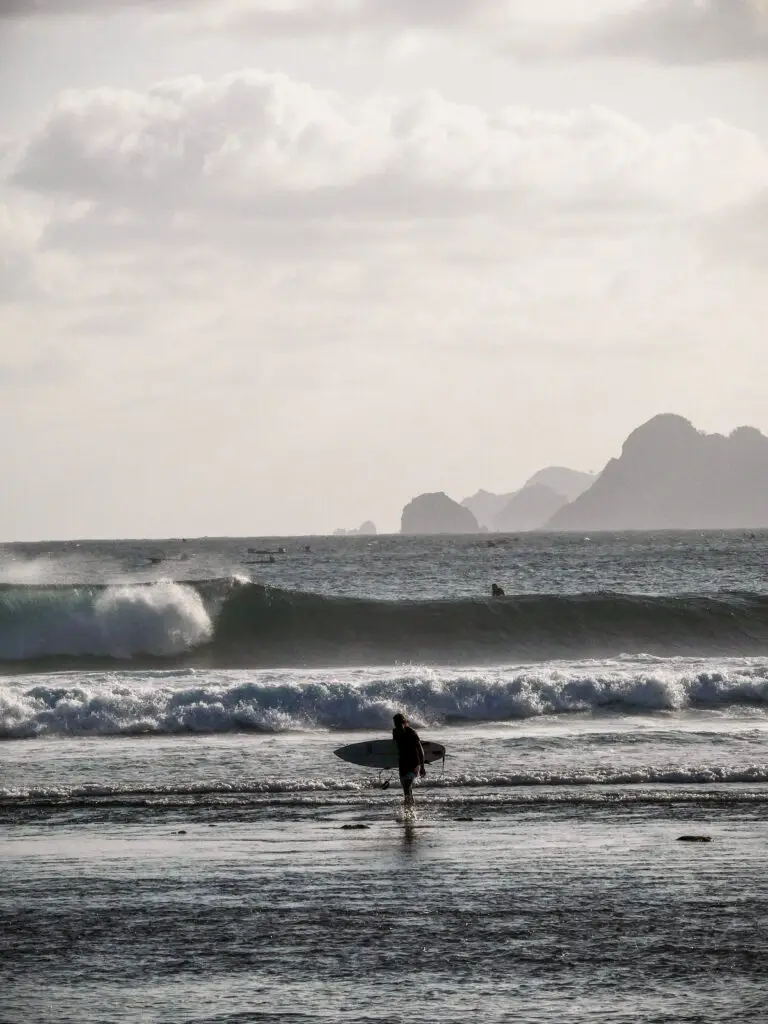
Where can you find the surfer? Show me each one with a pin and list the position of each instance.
(496, 590)
(410, 760)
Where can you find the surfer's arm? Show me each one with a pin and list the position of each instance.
(420, 754)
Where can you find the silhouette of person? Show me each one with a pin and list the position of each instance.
(496, 590)
(410, 756)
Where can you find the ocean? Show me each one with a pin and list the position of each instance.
(178, 842)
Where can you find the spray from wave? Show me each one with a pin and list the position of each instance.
(162, 619)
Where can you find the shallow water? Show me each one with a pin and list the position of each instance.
(543, 913)
(227, 878)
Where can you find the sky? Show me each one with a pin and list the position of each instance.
(278, 266)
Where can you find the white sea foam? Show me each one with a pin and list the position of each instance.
(125, 703)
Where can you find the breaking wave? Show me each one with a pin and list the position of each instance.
(131, 704)
(236, 623)
(161, 619)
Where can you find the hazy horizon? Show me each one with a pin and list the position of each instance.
(275, 267)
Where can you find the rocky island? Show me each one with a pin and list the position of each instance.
(437, 513)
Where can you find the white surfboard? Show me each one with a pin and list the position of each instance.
(382, 754)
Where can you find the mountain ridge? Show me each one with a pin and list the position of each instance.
(530, 505)
(669, 475)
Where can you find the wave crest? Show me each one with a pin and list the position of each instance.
(234, 623)
(112, 705)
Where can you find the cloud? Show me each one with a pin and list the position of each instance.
(664, 31)
(342, 17)
(667, 31)
(266, 147)
(683, 32)
(289, 16)
(742, 236)
(264, 207)
(28, 9)
(19, 234)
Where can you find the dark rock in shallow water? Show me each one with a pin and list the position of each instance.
(356, 824)
(694, 839)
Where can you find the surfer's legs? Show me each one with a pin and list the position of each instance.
(406, 781)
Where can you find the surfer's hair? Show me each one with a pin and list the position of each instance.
(399, 718)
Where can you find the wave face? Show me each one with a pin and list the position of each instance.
(235, 623)
(122, 704)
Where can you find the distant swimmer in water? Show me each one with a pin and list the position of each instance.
(496, 590)
(410, 756)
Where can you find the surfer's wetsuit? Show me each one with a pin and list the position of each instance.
(410, 759)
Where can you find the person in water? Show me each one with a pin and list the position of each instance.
(496, 590)
(410, 756)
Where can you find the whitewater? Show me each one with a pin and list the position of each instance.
(179, 843)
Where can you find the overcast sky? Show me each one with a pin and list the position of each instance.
(278, 266)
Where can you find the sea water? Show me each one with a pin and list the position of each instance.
(179, 843)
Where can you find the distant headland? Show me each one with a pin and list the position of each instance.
(669, 476)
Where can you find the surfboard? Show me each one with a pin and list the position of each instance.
(382, 754)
